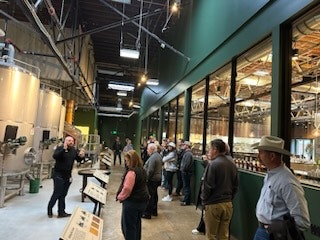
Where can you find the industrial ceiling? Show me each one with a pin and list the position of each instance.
(111, 24)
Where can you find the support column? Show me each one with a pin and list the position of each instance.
(281, 85)
(187, 113)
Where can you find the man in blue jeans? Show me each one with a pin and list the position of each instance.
(186, 169)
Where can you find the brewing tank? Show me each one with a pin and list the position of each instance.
(18, 107)
(46, 131)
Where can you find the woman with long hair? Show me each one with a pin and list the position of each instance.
(133, 195)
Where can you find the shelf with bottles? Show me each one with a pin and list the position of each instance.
(248, 161)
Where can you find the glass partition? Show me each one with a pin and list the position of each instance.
(144, 131)
(172, 119)
(218, 104)
(154, 124)
(197, 117)
(165, 123)
(305, 117)
(180, 117)
(253, 100)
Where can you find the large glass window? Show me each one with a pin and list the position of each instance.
(218, 104)
(253, 97)
(305, 116)
(154, 124)
(144, 131)
(165, 123)
(197, 117)
(172, 119)
(180, 117)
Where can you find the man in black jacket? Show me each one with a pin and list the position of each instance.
(64, 156)
(117, 147)
(220, 184)
(186, 169)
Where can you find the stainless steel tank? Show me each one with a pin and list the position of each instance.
(18, 107)
(46, 131)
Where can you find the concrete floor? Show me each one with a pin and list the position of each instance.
(25, 217)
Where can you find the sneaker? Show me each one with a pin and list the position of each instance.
(167, 198)
(196, 232)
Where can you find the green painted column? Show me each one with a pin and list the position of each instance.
(281, 84)
(161, 119)
(187, 113)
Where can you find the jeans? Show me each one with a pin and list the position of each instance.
(115, 154)
(179, 183)
(261, 234)
(169, 181)
(60, 191)
(131, 219)
(186, 177)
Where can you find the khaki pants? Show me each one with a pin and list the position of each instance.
(217, 218)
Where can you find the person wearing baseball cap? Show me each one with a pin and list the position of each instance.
(282, 196)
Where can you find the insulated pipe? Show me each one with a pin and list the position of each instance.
(10, 52)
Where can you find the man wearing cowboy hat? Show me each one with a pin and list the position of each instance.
(281, 194)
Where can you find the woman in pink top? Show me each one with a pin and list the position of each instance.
(133, 195)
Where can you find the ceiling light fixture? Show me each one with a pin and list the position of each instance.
(111, 72)
(121, 86)
(123, 1)
(136, 106)
(129, 53)
(122, 93)
(143, 78)
(153, 82)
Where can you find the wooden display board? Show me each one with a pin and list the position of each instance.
(83, 225)
(101, 176)
(96, 192)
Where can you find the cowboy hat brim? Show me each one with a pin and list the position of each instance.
(272, 149)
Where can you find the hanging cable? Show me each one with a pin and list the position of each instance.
(122, 25)
(138, 44)
(146, 56)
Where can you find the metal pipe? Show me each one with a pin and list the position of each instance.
(110, 26)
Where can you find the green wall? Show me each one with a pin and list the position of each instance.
(86, 117)
(211, 33)
(124, 127)
(244, 222)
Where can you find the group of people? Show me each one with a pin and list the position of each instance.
(282, 210)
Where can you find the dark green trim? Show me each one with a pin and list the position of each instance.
(232, 102)
(205, 115)
(187, 113)
(281, 84)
